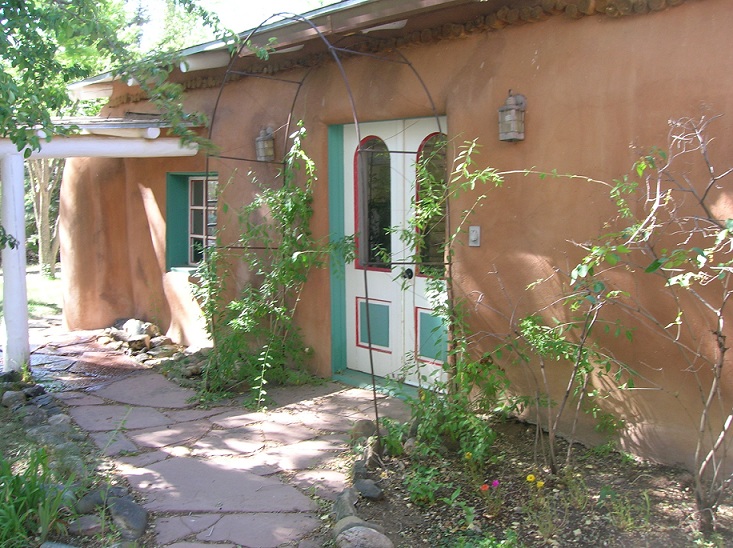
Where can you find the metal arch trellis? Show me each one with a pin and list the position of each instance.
(336, 52)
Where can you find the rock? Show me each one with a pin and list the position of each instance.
(162, 351)
(363, 428)
(30, 415)
(409, 445)
(138, 343)
(369, 489)
(11, 398)
(373, 455)
(43, 400)
(10, 376)
(353, 521)
(46, 435)
(343, 506)
(60, 419)
(151, 330)
(134, 327)
(33, 391)
(359, 470)
(48, 544)
(97, 498)
(86, 526)
(363, 537)
(192, 370)
(130, 518)
(162, 340)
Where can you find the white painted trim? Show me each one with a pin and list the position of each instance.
(16, 348)
(105, 147)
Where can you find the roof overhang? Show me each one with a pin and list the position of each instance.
(106, 138)
(289, 32)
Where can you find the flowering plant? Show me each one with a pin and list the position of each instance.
(492, 493)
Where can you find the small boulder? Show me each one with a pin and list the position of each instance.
(343, 506)
(369, 489)
(130, 518)
(87, 526)
(363, 537)
(363, 428)
(13, 398)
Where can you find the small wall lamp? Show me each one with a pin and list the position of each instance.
(511, 118)
(265, 146)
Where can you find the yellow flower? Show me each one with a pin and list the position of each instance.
(540, 484)
(530, 478)
(469, 455)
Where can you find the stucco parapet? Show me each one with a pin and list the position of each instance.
(511, 14)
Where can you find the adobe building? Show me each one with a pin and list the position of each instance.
(596, 83)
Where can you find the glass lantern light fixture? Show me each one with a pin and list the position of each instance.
(265, 146)
(511, 118)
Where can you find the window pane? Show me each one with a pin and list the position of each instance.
(211, 195)
(197, 250)
(431, 188)
(197, 192)
(374, 173)
(197, 222)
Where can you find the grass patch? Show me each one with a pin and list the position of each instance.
(45, 296)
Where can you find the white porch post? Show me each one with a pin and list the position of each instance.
(16, 349)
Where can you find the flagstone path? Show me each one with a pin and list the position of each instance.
(222, 476)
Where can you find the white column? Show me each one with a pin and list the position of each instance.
(16, 349)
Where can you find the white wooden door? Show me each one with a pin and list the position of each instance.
(389, 315)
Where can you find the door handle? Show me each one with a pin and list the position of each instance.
(407, 273)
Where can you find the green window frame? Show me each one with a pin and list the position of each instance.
(191, 215)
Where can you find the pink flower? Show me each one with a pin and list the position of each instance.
(495, 484)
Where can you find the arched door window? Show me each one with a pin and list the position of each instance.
(432, 203)
(374, 203)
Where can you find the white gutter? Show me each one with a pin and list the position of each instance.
(16, 348)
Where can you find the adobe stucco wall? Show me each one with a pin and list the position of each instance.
(600, 92)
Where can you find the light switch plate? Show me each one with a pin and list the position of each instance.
(474, 236)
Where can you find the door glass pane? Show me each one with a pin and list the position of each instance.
(431, 189)
(374, 179)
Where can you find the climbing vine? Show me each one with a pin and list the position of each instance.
(256, 341)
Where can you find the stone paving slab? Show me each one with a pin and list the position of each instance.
(213, 485)
(113, 443)
(117, 417)
(175, 528)
(261, 530)
(78, 398)
(170, 434)
(147, 389)
(236, 441)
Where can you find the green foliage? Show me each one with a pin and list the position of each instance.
(422, 484)
(31, 502)
(46, 46)
(393, 434)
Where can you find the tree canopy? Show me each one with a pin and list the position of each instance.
(48, 44)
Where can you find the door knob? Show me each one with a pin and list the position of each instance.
(407, 273)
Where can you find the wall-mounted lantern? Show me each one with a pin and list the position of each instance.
(265, 146)
(511, 118)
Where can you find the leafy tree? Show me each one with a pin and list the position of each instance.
(44, 177)
(46, 45)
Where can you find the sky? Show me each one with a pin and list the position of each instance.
(240, 15)
(236, 15)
